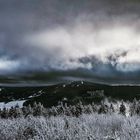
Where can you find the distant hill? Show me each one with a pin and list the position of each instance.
(73, 92)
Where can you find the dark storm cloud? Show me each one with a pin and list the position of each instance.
(97, 36)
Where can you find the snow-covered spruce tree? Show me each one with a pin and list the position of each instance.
(11, 112)
(133, 107)
(17, 112)
(38, 109)
(94, 107)
(4, 113)
(29, 110)
(122, 108)
(35, 109)
(111, 109)
(103, 108)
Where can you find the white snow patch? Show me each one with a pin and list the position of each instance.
(12, 104)
(64, 86)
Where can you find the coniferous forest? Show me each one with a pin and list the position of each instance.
(107, 121)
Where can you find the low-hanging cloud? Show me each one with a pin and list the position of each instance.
(100, 38)
(118, 45)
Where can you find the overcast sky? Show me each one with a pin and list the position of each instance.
(99, 37)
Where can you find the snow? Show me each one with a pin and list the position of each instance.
(64, 86)
(85, 127)
(12, 104)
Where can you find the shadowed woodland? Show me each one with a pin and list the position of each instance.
(37, 109)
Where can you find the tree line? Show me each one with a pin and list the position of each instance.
(37, 109)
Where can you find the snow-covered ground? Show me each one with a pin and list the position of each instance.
(12, 104)
(86, 127)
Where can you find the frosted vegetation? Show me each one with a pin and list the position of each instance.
(105, 121)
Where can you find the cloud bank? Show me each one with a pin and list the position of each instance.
(101, 38)
(118, 46)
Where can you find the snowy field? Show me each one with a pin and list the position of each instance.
(106, 121)
(12, 104)
(85, 127)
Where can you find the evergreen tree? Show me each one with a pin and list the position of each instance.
(133, 107)
(4, 113)
(11, 112)
(122, 109)
(111, 108)
(29, 110)
(25, 111)
(38, 109)
(138, 108)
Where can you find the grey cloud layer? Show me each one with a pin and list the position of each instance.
(100, 36)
